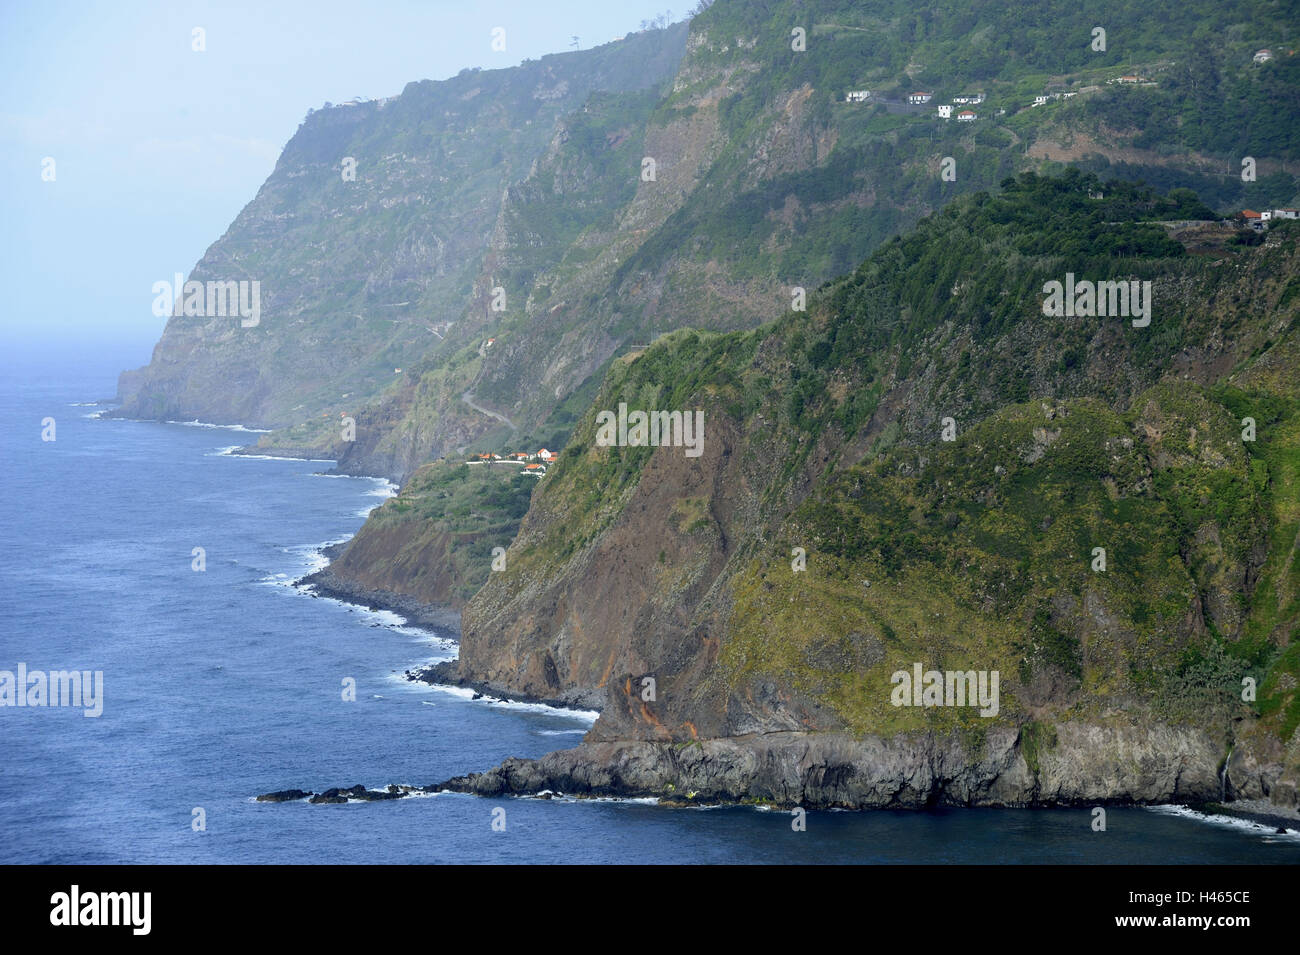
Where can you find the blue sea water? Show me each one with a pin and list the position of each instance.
(226, 683)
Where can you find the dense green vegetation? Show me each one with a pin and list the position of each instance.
(1215, 100)
(438, 534)
(464, 498)
(1071, 435)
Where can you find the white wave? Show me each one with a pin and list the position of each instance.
(95, 414)
(410, 630)
(312, 559)
(276, 457)
(276, 580)
(385, 618)
(466, 693)
(458, 691)
(562, 732)
(84, 404)
(385, 490)
(550, 796)
(359, 477)
(196, 423)
(1229, 822)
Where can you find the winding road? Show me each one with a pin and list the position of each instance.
(469, 400)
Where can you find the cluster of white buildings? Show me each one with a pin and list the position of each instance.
(1131, 79)
(1259, 220)
(946, 110)
(1045, 98)
(533, 462)
(920, 98)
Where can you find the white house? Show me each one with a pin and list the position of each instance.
(1039, 100)
(945, 111)
(970, 99)
(1285, 214)
(544, 454)
(857, 96)
(966, 116)
(1263, 56)
(917, 99)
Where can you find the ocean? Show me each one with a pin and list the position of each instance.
(226, 682)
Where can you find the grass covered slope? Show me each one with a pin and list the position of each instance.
(825, 431)
(434, 541)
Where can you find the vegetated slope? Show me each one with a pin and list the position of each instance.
(773, 181)
(824, 431)
(766, 180)
(435, 541)
(532, 181)
(360, 276)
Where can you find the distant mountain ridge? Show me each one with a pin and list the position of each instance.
(652, 238)
(530, 181)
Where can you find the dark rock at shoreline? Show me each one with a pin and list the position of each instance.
(284, 795)
(447, 673)
(358, 792)
(836, 771)
(826, 770)
(325, 583)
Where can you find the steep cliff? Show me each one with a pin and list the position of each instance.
(568, 209)
(922, 468)
(368, 238)
(825, 432)
(434, 542)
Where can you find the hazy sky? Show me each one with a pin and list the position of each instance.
(157, 147)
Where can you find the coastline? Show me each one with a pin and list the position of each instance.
(325, 583)
(584, 772)
(1259, 811)
(811, 771)
(438, 617)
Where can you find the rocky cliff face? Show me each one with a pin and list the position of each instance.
(1085, 766)
(517, 205)
(825, 433)
(921, 467)
(362, 269)
(433, 544)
